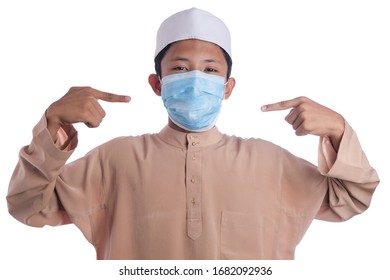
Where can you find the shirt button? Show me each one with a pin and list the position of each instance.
(193, 180)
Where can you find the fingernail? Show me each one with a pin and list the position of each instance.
(264, 108)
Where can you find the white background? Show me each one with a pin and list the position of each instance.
(334, 52)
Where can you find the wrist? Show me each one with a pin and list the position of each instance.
(337, 132)
(53, 124)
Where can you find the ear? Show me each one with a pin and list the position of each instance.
(155, 83)
(231, 82)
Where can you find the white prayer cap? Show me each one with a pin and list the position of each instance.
(193, 24)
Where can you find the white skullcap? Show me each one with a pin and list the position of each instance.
(193, 24)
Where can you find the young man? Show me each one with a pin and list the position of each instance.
(189, 191)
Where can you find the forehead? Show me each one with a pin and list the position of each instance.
(195, 48)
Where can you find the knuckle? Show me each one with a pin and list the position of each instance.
(77, 88)
(305, 128)
(74, 88)
(92, 124)
(303, 108)
(90, 97)
(109, 96)
(305, 115)
(86, 106)
(84, 115)
(302, 98)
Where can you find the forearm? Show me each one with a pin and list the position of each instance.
(32, 199)
(337, 132)
(350, 177)
(31, 190)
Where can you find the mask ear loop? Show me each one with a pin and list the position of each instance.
(160, 80)
(227, 81)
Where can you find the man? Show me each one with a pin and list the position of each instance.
(189, 191)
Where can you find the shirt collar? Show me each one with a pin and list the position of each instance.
(190, 139)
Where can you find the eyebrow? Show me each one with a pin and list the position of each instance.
(179, 58)
(209, 60)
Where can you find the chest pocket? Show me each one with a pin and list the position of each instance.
(241, 236)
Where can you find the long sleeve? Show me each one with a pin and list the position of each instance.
(352, 180)
(143, 197)
(32, 198)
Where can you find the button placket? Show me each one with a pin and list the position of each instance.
(193, 187)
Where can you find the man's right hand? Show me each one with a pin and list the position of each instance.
(80, 104)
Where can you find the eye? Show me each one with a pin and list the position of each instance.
(211, 70)
(179, 68)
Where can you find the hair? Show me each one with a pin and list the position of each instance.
(161, 54)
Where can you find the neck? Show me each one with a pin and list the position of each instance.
(175, 127)
(178, 128)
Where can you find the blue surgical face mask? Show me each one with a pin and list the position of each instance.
(193, 99)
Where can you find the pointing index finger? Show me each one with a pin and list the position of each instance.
(110, 97)
(282, 105)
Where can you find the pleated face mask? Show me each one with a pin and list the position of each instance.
(193, 99)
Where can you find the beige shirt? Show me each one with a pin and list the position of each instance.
(175, 195)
